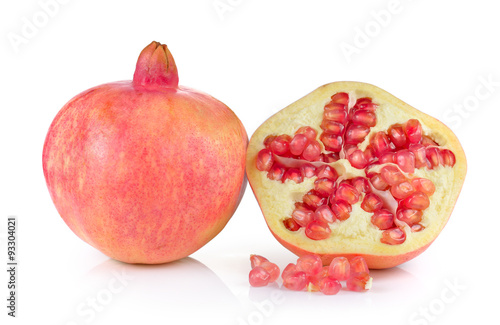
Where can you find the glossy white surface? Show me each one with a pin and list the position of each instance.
(263, 55)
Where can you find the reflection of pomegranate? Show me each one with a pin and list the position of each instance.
(146, 171)
(351, 170)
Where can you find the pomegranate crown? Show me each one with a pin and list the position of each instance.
(156, 68)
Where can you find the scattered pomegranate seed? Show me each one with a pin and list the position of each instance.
(372, 202)
(359, 282)
(296, 281)
(394, 236)
(289, 269)
(318, 230)
(311, 264)
(339, 268)
(257, 260)
(409, 216)
(413, 130)
(272, 269)
(329, 285)
(259, 277)
(383, 219)
(358, 265)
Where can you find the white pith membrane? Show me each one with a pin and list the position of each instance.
(356, 235)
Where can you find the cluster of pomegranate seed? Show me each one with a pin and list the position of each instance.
(394, 198)
(309, 274)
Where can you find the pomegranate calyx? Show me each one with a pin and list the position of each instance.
(156, 68)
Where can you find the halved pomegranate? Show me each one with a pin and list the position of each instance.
(350, 170)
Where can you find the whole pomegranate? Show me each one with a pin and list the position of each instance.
(146, 171)
(350, 170)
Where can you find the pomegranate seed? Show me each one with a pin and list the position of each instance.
(426, 141)
(402, 190)
(406, 160)
(324, 186)
(370, 154)
(257, 260)
(324, 214)
(350, 148)
(383, 219)
(416, 228)
(388, 157)
(315, 279)
(380, 143)
(360, 282)
(372, 202)
(293, 174)
(397, 135)
(341, 209)
(356, 133)
(347, 193)
(364, 117)
(413, 131)
(289, 269)
(332, 127)
(419, 152)
(341, 98)
(272, 269)
(326, 171)
(357, 159)
(423, 185)
(339, 269)
(336, 115)
(313, 199)
(311, 264)
(308, 131)
(298, 144)
(280, 145)
(268, 140)
(379, 183)
(291, 224)
(334, 106)
(312, 151)
(265, 160)
(295, 281)
(358, 265)
(302, 216)
(365, 103)
(394, 236)
(276, 172)
(317, 230)
(434, 157)
(259, 277)
(329, 157)
(331, 141)
(307, 170)
(417, 201)
(361, 184)
(392, 175)
(329, 285)
(448, 157)
(409, 216)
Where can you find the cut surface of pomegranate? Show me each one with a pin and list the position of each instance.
(380, 182)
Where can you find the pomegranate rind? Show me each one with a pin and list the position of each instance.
(355, 236)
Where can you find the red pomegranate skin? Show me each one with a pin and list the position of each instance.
(146, 171)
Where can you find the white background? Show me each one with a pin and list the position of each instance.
(257, 56)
